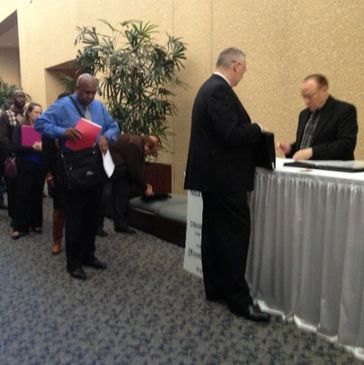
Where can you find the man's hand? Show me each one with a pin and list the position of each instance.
(262, 128)
(50, 179)
(73, 134)
(284, 148)
(103, 144)
(304, 154)
(149, 190)
(37, 146)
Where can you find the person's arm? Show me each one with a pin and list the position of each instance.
(284, 148)
(110, 128)
(135, 165)
(52, 124)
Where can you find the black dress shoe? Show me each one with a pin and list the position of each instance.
(78, 273)
(101, 233)
(125, 230)
(251, 312)
(96, 264)
(17, 234)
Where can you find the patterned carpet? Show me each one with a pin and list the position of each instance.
(144, 309)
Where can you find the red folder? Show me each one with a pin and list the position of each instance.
(89, 131)
(29, 136)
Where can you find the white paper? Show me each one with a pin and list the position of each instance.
(108, 163)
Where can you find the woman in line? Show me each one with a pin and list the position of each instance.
(30, 180)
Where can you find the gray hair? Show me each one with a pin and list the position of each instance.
(229, 55)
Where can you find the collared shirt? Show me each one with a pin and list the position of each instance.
(221, 75)
(62, 115)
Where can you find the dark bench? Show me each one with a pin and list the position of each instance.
(164, 218)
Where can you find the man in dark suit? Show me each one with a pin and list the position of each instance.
(327, 128)
(220, 165)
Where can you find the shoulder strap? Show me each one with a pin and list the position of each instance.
(76, 106)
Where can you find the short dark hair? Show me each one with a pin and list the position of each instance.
(319, 78)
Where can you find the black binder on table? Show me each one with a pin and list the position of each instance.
(265, 152)
(334, 165)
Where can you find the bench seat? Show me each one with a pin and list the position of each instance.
(164, 218)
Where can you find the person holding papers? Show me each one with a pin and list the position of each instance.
(30, 179)
(327, 128)
(81, 206)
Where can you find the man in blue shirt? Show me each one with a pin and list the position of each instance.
(81, 206)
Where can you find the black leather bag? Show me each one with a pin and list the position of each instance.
(82, 170)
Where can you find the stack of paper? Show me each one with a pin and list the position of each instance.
(89, 131)
(29, 136)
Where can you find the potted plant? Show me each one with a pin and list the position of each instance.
(136, 76)
(136, 73)
(6, 94)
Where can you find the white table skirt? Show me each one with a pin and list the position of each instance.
(306, 257)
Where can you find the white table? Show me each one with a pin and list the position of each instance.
(306, 257)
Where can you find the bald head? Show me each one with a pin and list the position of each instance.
(152, 144)
(86, 88)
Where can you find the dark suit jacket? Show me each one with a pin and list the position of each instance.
(335, 134)
(128, 152)
(220, 155)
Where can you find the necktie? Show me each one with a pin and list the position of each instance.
(309, 130)
(88, 113)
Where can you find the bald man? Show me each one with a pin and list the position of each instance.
(81, 206)
(327, 128)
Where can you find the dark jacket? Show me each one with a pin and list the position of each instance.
(335, 134)
(220, 155)
(128, 151)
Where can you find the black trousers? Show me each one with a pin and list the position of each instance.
(115, 195)
(224, 247)
(81, 218)
(12, 189)
(120, 193)
(29, 196)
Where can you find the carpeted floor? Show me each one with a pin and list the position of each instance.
(144, 309)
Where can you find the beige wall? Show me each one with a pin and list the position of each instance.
(284, 39)
(9, 66)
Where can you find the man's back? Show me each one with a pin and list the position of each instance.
(220, 156)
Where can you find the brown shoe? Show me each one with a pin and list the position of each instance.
(56, 248)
